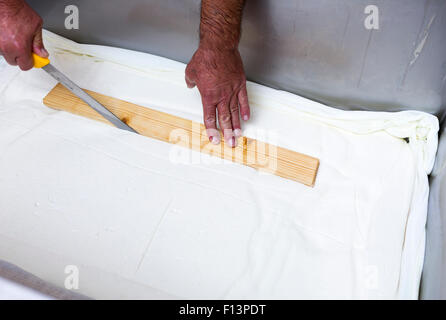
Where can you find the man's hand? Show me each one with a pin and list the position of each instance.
(20, 33)
(217, 70)
(221, 80)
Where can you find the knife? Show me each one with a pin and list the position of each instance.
(43, 63)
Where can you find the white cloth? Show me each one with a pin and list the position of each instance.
(139, 225)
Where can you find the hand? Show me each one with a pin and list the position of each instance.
(220, 78)
(20, 33)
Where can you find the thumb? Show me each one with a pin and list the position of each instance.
(38, 46)
(190, 83)
(190, 77)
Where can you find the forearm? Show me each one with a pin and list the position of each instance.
(11, 6)
(220, 23)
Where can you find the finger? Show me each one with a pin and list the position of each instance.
(25, 61)
(24, 58)
(235, 116)
(210, 122)
(245, 112)
(10, 58)
(38, 46)
(190, 83)
(224, 119)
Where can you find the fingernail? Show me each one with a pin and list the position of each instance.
(238, 132)
(232, 142)
(45, 52)
(245, 117)
(214, 140)
(214, 136)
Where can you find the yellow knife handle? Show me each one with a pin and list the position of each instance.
(40, 62)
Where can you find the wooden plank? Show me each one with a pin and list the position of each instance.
(172, 129)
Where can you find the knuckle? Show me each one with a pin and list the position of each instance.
(209, 116)
(224, 118)
(244, 103)
(25, 67)
(243, 99)
(233, 108)
(209, 122)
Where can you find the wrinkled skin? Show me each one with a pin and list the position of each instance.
(220, 78)
(20, 34)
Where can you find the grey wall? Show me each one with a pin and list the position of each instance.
(319, 48)
(434, 272)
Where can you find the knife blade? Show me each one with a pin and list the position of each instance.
(44, 64)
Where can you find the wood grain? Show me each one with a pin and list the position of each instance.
(172, 129)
